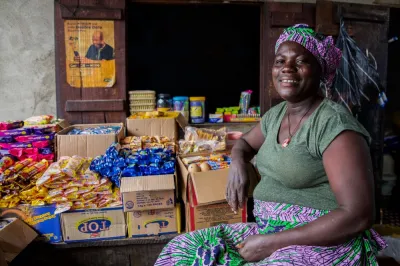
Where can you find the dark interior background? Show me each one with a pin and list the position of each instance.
(188, 50)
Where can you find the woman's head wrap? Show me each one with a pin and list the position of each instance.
(323, 48)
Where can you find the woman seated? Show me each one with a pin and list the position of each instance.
(314, 204)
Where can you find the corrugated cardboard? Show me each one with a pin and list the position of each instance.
(168, 127)
(204, 193)
(153, 222)
(86, 145)
(41, 218)
(204, 197)
(148, 192)
(93, 224)
(14, 237)
(201, 217)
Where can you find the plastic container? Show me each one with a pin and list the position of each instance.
(164, 102)
(181, 104)
(197, 110)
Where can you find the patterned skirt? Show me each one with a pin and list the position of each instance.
(216, 245)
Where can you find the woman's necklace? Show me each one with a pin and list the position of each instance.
(286, 142)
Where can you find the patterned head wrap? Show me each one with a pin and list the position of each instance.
(323, 48)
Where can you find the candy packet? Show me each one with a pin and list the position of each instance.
(7, 125)
(15, 132)
(34, 138)
(38, 120)
(73, 166)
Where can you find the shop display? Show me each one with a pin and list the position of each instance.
(244, 102)
(142, 101)
(216, 118)
(215, 161)
(197, 110)
(126, 163)
(72, 185)
(181, 104)
(7, 125)
(38, 120)
(164, 102)
(203, 140)
(18, 184)
(153, 114)
(147, 142)
(100, 130)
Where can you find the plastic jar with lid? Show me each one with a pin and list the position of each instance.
(181, 104)
(197, 110)
(164, 102)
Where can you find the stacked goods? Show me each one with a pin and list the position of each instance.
(72, 185)
(215, 161)
(18, 182)
(147, 142)
(203, 140)
(99, 130)
(142, 101)
(128, 163)
(32, 138)
(154, 114)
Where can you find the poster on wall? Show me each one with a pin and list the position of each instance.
(90, 53)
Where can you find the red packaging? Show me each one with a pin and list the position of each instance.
(41, 144)
(34, 138)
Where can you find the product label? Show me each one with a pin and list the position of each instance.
(94, 225)
(196, 111)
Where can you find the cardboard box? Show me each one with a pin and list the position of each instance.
(148, 192)
(201, 217)
(205, 194)
(41, 218)
(86, 145)
(93, 224)
(15, 235)
(168, 127)
(204, 197)
(154, 222)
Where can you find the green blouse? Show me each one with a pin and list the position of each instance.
(296, 174)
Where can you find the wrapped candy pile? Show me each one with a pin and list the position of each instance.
(71, 184)
(127, 163)
(28, 139)
(18, 182)
(95, 130)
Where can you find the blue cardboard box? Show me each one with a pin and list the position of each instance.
(41, 218)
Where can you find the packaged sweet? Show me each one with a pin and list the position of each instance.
(63, 207)
(244, 102)
(100, 130)
(8, 146)
(46, 151)
(49, 157)
(42, 130)
(29, 172)
(53, 172)
(34, 138)
(15, 132)
(72, 166)
(42, 144)
(7, 125)
(18, 166)
(38, 120)
(7, 139)
(195, 134)
(6, 162)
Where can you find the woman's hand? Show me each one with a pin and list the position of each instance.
(256, 248)
(238, 185)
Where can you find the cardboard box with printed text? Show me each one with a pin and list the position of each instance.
(41, 218)
(93, 224)
(148, 192)
(154, 222)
